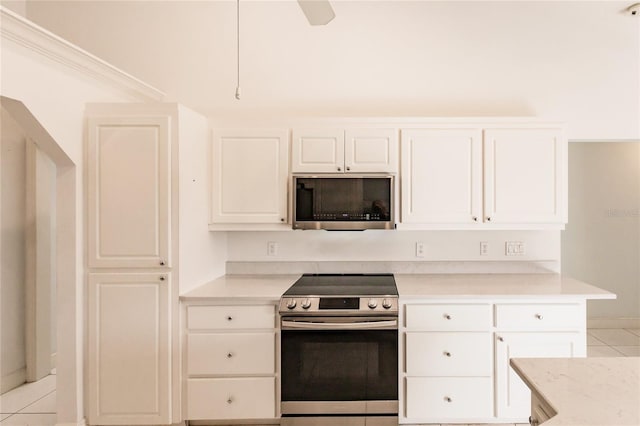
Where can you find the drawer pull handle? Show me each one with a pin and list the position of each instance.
(230, 355)
(446, 353)
(447, 316)
(539, 316)
(448, 399)
(229, 318)
(229, 400)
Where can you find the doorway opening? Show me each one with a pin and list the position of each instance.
(37, 257)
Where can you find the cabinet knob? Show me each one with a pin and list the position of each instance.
(447, 316)
(348, 168)
(162, 263)
(446, 353)
(229, 400)
(229, 318)
(475, 218)
(339, 169)
(500, 339)
(488, 218)
(282, 219)
(162, 278)
(539, 316)
(448, 399)
(230, 355)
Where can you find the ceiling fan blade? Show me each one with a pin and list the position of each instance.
(318, 12)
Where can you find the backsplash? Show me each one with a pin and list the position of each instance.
(391, 251)
(392, 246)
(437, 267)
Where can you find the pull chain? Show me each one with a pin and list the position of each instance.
(238, 48)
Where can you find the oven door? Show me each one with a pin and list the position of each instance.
(339, 365)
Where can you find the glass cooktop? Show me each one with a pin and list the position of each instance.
(344, 285)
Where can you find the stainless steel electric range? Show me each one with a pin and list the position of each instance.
(339, 350)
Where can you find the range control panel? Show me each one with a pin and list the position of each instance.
(329, 305)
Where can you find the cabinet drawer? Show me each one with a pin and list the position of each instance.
(542, 315)
(449, 317)
(225, 354)
(231, 317)
(242, 398)
(448, 354)
(448, 397)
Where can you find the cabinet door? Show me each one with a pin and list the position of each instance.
(128, 191)
(371, 150)
(129, 349)
(250, 170)
(441, 175)
(317, 151)
(513, 398)
(525, 176)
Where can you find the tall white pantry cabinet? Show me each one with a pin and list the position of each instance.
(132, 260)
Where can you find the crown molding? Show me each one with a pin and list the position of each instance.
(36, 39)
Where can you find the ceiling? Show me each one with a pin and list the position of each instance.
(375, 58)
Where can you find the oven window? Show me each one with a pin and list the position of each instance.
(339, 365)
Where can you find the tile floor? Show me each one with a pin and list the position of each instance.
(34, 404)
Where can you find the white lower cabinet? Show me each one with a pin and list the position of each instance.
(129, 351)
(230, 354)
(513, 397)
(231, 398)
(454, 357)
(448, 397)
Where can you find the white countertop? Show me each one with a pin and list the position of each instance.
(585, 391)
(419, 286)
(496, 285)
(246, 287)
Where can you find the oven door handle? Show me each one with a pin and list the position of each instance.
(360, 325)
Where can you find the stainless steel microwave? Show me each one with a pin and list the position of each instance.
(343, 202)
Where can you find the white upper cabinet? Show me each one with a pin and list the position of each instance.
(441, 175)
(460, 176)
(524, 172)
(339, 151)
(317, 151)
(371, 150)
(250, 172)
(128, 191)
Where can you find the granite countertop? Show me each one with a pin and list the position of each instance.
(496, 285)
(264, 288)
(419, 286)
(585, 391)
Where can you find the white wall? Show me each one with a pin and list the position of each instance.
(56, 94)
(12, 344)
(202, 253)
(601, 243)
(574, 61)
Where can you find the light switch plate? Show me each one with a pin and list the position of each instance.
(419, 249)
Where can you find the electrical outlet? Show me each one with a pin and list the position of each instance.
(272, 248)
(419, 249)
(514, 248)
(484, 248)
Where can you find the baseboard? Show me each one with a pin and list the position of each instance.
(613, 322)
(13, 380)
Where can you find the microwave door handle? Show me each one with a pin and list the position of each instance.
(311, 325)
